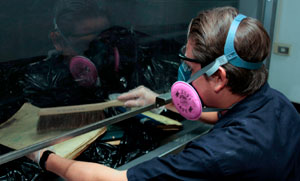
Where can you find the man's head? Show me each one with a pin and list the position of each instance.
(76, 24)
(207, 35)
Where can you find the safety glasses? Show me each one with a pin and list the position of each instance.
(183, 57)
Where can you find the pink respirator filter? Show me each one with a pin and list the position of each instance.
(186, 100)
(83, 71)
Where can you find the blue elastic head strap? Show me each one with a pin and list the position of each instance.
(229, 49)
(230, 55)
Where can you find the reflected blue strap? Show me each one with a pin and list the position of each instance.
(229, 49)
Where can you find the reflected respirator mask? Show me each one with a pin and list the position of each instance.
(103, 51)
(185, 98)
(82, 69)
(112, 52)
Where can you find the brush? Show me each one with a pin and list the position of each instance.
(70, 117)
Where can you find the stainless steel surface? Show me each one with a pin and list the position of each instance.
(174, 143)
(163, 99)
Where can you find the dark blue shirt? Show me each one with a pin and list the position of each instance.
(258, 139)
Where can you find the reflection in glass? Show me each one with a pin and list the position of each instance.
(73, 52)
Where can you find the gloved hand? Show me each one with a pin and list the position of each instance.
(138, 97)
(36, 156)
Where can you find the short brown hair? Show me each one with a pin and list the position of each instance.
(208, 32)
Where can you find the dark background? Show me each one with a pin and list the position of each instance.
(25, 25)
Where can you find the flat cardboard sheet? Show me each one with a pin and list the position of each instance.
(74, 147)
(20, 131)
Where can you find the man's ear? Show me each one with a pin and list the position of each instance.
(56, 40)
(220, 79)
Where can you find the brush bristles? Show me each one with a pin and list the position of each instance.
(68, 121)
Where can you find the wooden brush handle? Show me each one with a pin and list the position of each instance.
(79, 108)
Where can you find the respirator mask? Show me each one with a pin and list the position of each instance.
(184, 96)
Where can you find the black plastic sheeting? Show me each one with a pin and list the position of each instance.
(136, 140)
(47, 81)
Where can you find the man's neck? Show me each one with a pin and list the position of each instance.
(229, 99)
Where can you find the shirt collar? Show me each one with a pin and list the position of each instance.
(247, 105)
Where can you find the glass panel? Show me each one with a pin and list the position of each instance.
(72, 52)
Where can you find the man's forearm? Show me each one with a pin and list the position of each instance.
(76, 170)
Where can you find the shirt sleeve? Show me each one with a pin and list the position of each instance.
(195, 162)
(213, 156)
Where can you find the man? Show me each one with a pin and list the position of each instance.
(257, 135)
